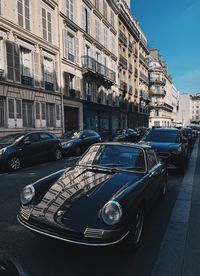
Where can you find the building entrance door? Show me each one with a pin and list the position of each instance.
(71, 118)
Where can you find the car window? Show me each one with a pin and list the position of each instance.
(92, 133)
(33, 137)
(85, 134)
(45, 136)
(152, 158)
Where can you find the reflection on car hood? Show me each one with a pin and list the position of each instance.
(4, 145)
(76, 198)
(163, 146)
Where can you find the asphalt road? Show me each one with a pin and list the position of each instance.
(37, 256)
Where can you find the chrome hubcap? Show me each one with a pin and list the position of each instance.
(58, 154)
(139, 220)
(15, 163)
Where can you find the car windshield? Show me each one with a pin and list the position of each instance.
(161, 136)
(114, 156)
(10, 139)
(72, 135)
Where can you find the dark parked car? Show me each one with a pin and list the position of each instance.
(188, 133)
(77, 142)
(101, 200)
(25, 147)
(170, 144)
(127, 135)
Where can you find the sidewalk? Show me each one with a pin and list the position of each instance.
(179, 254)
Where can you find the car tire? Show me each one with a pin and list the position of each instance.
(14, 163)
(77, 150)
(135, 236)
(58, 154)
(163, 191)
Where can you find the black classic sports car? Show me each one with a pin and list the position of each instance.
(101, 200)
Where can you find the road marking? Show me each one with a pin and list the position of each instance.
(171, 254)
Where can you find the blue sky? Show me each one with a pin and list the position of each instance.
(173, 26)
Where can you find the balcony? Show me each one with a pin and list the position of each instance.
(136, 72)
(130, 90)
(122, 38)
(136, 92)
(164, 106)
(123, 62)
(144, 96)
(123, 86)
(157, 91)
(91, 66)
(144, 78)
(49, 86)
(74, 93)
(2, 74)
(136, 52)
(130, 46)
(27, 80)
(143, 60)
(130, 68)
(157, 80)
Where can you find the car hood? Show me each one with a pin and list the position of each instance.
(4, 145)
(163, 146)
(74, 200)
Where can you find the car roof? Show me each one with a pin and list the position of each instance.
(164, 129)
(139, 146)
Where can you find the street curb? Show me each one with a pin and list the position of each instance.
(170, 257)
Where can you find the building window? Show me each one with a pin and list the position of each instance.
(57, 112)
(23, 9)
(112, 19)
(50, 114)
(11, 108)
(2, 69)
(48, 73)
(26, 66)
(37, 111)
(2, 112)
(96, 3)
(70, 9)
(97, 29)
(71, 47)
(43, 107)
(86, 19)
(18, 108)
(106, 37)
(13, 61)
(105, 9)
(0, 8)
(113, 44)
(46, 25)
(27, 111)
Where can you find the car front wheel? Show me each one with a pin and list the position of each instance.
(58, 154)
(14, 163)
(135, 235)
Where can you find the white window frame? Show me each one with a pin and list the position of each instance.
(97, 29)
(23, 15)
(69, 7)
(48, 73)
(30, 54)
(2, 54)
(105, 37)
(48, 31)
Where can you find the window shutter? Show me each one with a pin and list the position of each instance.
(83, 18)
(66, 83)
(17, 62)
(77, 83)
(88, 22)
(11, 108)
(36, 69)
(56, 75)
(42, 71)
(77, 49)
(66, 43)
(10, 63)
(20, 12)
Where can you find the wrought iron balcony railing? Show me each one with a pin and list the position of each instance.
(122, 38)
(144, 78)
(123, 86)
(96, 67)
(49, 86)
(123, 62)
(26, 80)
(2, 74)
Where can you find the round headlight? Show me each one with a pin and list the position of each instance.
(27, 194)
(111, 212)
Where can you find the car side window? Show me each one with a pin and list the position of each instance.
(45, 136)
(85, 134)
(152, 158)
(33, 137)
